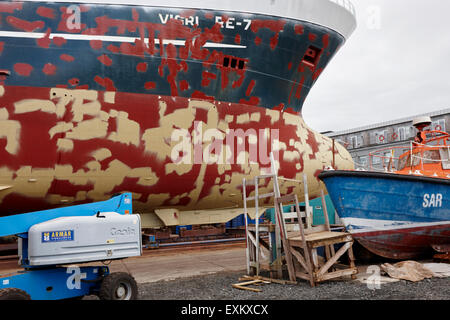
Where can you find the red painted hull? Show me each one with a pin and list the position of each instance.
(408, 243)
(53, 161)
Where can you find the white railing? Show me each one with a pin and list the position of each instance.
(391, 163)
(347, 5)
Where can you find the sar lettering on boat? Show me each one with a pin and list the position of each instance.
(432, 200)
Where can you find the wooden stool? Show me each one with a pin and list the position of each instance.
(300, 247)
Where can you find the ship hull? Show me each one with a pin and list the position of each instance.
(169, 152)
(394, 216)
(98, 99)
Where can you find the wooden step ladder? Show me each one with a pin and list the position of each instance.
(253, 232)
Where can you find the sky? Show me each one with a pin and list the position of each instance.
(395, 65)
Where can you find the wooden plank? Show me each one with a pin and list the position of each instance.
(321, 228)
(287, 199)
(245, 288)
(333, 260)
(266, 176)
(325, 210)
(289, 262)
(248, 282)
(303, 276)
(277, 280)
(337, 274)
(264, 244)
(300, 259)
(321, 243)
(291, 180)
(252, 238)
(325, 235)
(262, 196)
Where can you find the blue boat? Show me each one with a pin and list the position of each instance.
(402, 213)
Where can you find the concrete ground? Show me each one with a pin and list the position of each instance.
(208, 273)
(181, 263)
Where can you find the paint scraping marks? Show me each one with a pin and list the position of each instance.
(59, 41)
(250, 88)
(106, 82)
(23, 69)
(10, 7)
(66, 57)
(207, 77)
(312, 142)
(184, 85)
(253, 101)
(141, 67)
(96, 44)
(299, 29)
(49, 69)
(105, 60)
(46, 12)
(45, 41)
(275, 26)
(150, 85)
(25, 25)
(74, 81)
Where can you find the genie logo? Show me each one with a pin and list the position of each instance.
(123, 232)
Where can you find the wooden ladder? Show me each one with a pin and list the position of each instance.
(253, 232)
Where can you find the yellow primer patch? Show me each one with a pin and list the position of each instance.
(9, 129)
(109, 97)
(65, 145)
(128, 131)
(89, 129)
(102, 154)
(274, 115)
(31, 105)
(256, 116)
(243, 118)
(60, 127)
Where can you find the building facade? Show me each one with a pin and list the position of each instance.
(371, 146)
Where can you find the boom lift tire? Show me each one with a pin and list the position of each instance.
(14, 294)
(118, 286)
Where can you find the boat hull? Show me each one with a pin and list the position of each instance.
(394, 216)
(169, 152)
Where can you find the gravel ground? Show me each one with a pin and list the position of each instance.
(218, 287)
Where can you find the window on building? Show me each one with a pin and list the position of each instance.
(438, 125)
(354, 142)
(381, 137)
(402, 133)
(376, 160)
(363, 161)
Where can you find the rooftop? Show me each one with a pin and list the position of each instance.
(388, 123)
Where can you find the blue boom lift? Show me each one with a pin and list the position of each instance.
(51, 244)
